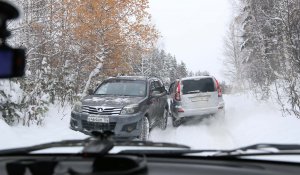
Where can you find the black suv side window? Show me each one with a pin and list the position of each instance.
(158, 86)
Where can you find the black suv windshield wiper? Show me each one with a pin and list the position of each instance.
(257, 149)
(27, 150)
(100, 144)
(262, 149)
(253, 150)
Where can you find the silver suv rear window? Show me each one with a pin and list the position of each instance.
(198, 85)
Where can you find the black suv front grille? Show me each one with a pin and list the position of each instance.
(98, 126)
(98, 110)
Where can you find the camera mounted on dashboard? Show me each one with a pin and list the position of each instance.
(12, 60)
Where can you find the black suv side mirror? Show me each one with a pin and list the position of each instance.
(166, 90)
(155, 94)
(90, 91)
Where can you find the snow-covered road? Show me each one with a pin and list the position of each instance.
(247, 122)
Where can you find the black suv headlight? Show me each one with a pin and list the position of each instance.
(130, 109)
(77, 107)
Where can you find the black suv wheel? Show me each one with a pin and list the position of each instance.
(145, 129)
(164, 120)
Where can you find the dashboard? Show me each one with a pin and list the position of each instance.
(139, 164)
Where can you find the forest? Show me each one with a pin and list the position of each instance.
(71, 46)
(262, 51)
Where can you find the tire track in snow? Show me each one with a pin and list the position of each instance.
(208, 133)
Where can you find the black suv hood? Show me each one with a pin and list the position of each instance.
(110, 101)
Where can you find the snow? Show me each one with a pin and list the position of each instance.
(99, 99)
(12, 90)
(56, 128)
(247, 122)
(121, 100)
(8, 139)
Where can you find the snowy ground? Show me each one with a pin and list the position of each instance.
(56, 128)
(247, 122)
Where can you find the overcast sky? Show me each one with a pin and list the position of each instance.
(193, 31)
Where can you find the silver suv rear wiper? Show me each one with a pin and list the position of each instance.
(193, 92)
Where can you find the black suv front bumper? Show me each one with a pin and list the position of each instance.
(123, 126)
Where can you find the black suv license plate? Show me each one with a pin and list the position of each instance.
(98, 119)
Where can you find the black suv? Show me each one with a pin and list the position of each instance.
(129, 106)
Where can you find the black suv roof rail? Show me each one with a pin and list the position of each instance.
(128, 77)
(136, 76)
(146, 76)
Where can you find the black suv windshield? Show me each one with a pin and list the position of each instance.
(198, 85)
(123, 88)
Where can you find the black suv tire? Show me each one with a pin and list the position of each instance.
(164, 120)
(145, 129)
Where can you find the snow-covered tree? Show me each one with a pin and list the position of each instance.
(160, 64)
(71, 46)
(269, 52)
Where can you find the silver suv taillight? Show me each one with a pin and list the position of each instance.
(177, 93)
(219, 88)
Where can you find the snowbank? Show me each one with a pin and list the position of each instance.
(56, 128)
(8, 136)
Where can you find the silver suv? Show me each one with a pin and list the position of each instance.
(195, 97)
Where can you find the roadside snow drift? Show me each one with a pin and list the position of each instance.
(56, 128)
(247, 121)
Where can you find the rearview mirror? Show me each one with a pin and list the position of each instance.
(12, 60)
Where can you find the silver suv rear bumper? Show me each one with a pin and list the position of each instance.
(197, 112)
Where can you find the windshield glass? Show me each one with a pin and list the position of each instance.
(123, 88)
(209, 74)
